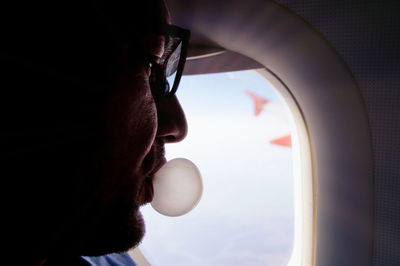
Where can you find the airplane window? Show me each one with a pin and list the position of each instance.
(240, 139)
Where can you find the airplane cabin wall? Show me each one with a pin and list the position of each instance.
(366, 34)
(340, 60)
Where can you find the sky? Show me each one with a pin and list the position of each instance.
(245, 216)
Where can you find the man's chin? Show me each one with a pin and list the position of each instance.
(112, 233)
(122, 238)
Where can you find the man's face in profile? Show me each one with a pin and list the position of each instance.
(137, 127)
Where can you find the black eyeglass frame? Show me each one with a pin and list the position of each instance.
(163, 88)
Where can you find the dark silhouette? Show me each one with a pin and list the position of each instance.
(83, 130)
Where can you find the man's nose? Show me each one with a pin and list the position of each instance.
(172, 126)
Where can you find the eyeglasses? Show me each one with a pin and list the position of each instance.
(166, 75)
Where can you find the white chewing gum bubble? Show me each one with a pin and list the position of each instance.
(177, 188)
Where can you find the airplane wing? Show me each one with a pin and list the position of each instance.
(283, 141)
(259, 102)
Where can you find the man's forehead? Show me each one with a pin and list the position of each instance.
(161, 15)
(166, 13)
(137, 17)
(163, 18)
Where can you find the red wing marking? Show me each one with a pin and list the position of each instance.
(283, 141)
(259, 102)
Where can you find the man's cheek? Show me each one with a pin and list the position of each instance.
(143, 118)
(146, 126)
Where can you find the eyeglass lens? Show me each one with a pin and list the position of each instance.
(172, 65)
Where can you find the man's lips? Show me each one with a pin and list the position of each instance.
(158, 165)
(153, 161)
(147, 191)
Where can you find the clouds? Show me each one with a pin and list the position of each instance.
(246, 214)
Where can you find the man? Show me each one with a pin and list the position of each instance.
(87, 110)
